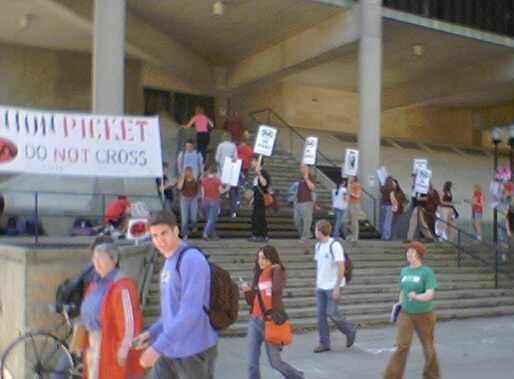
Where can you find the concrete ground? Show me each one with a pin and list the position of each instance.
(467, 349)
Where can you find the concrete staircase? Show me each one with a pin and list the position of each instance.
(463, 292)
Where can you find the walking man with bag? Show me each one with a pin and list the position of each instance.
(182, 343)
(330, 259)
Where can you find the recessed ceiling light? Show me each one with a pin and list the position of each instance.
(418, 50)
(218, 8)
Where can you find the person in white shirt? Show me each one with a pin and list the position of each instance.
(339, 205)
(227, 148)
(329, 256)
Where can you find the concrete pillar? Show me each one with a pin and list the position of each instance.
(370, 92)
(109, 75)
(109, 56)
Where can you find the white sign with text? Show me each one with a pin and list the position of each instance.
(422, 182)
(265, 141)
(351, 163)
(231, 171)
(310, 150)
(44, 142)
(418, 164)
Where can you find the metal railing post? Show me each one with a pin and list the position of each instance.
(459, 246)
(36, 218)
(102, 211)
(496, 263)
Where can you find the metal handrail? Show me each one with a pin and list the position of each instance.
(146, 277)
(495, 249)
(270, 112)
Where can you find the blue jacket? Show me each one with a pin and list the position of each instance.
(184, 328)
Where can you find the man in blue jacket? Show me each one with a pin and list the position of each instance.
(182, 343)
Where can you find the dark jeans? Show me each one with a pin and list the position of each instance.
(202, 141)
(255, 341)
(327, 308)
(424, 325)
(259, 224)
(198, 366)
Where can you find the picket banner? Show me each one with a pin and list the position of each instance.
(231, 171)
(44, 142)
(310, 150)
(418, 164)
(351, 163)
(265, 140)
(382, 175)
(422, 182)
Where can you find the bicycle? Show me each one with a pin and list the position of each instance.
(43, 354)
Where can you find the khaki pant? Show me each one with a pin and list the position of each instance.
(418, 214)
(93, 355)
(424, 325)
(355, 211)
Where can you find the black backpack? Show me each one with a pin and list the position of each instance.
(224, 294)
(71, 291)
(348, 264)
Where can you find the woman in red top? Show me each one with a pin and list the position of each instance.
(202, 125)
(112, 317)
(477, 209)
(269, 280)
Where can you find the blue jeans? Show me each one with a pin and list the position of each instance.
(234, 199)
(188, 212)
(255, 340)
(211, 209)
(388, 222)
(327, 308)
(338, 225)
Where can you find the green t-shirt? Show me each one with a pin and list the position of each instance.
(417, 279)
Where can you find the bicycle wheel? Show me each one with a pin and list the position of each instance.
(37, 355)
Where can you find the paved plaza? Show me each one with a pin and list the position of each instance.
(467, 349)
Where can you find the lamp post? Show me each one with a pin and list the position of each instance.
(496, 138)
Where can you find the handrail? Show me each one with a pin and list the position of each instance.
(270, 112)
(494, 249)
(146, 277)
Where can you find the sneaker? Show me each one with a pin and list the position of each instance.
(321, 349)
(205, 237)
(351, 338)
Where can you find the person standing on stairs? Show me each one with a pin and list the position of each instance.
(203, 126)
(304, 204)
(189, 157)
(417, 289)
(329, 257)
(355, 192)
(189, 189)
(266, 292)
(261, 186)
(212, 189)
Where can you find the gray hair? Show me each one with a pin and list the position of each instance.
(110, 249)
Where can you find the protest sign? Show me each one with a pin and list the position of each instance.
(231, 171)
(422, 182)
(265, 141)
(418, 164)
(351, 162)
(310, 150)
(382, 175)
(137, 229)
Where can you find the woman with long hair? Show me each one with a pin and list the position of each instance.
(266, 292)
(387, 207)
(446, 212)
(477, 209)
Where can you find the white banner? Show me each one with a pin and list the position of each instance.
(42, 142)
(422, 183)
(310, 150)
(231, 171)
(418, 164)
(382, 175)
(351, 163)
(265, 140)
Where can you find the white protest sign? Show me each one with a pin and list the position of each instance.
(231, 171)
(266, 136)
(382, 175)
(137, 229)
(351, 162)
(310, 150)
(418, 164)
(422, 182)
(41, 142)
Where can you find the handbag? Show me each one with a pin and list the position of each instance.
(266, 197)
(277, 327)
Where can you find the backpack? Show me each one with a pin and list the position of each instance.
(224, 294)
(71, 291)
(348, 264)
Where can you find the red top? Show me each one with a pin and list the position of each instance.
(265, 290)
(211, 187)
(245, 153)
(477, 205)
(201, 123)
(115, 210)
(508, 187)
(355, 193)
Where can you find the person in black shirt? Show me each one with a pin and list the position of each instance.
(165, 189)
(261, 186)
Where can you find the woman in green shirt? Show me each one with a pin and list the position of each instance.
(417, 284)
